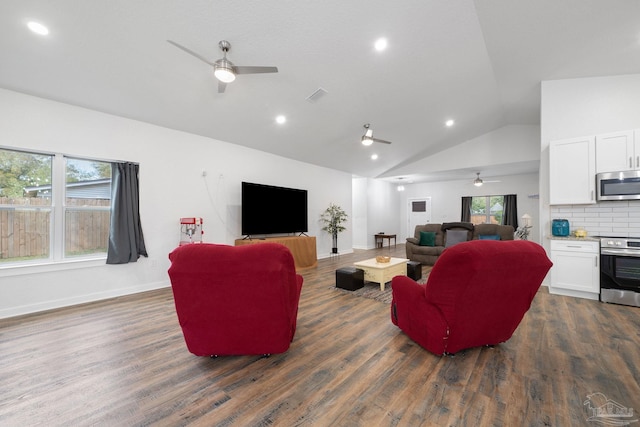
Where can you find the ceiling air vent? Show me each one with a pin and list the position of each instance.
(315, 96)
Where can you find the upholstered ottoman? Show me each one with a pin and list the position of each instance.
(349, 278)
(414, 270)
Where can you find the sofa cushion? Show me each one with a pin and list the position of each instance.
(455, 236)
(504, 231)
(489, 237)
(430, 227)
(427, 238)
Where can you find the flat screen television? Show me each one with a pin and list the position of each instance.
(267, 209)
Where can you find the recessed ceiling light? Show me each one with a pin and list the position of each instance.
(281, 119)
(449, 122)
(374, 157)
(381, 44)
(38, 28)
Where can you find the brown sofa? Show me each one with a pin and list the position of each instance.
(429, 254)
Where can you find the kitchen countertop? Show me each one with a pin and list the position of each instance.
(574, 238)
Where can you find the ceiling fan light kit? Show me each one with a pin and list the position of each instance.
(477, 182)
(368, 139)
(223, 69)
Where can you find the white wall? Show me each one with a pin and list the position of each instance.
(580, 107)
(171, 186)
(360, 212)
(446, 198)
(506, 145)
(376, 205)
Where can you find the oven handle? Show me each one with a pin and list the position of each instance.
(620, 252)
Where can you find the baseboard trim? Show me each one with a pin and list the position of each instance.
(348, 251)
(80, 299)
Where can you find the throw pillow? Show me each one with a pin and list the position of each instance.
(455, 236)
(427, 238)
(489, 237)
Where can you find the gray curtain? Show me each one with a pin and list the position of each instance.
(126, 242)
(465, 216)
(510, 214)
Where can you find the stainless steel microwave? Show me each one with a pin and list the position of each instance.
(623, 185)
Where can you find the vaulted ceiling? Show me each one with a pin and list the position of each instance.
(479, 63)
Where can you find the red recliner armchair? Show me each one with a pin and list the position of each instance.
(476, 294)
(235, 300)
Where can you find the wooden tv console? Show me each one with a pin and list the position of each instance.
(303, 248)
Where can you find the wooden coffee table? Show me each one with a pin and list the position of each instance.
(382, 272)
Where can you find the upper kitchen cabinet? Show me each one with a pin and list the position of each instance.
(572, 170)
(618, 151)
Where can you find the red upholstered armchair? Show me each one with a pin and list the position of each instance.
(476, 294)
(235, 300)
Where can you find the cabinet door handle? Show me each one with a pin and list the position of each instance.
(637, 161)
(596, 261)
(591, 194)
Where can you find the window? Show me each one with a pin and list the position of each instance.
(52, 207)
(487, 209)
(87, 207)
(25, 216)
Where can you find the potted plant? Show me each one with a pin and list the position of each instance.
(333, 218)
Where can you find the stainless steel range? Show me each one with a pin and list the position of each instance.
(620, 270)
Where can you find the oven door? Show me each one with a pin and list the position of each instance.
(620, 279)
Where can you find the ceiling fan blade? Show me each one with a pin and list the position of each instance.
(190, 52)
(239, 69)
(380, 140)
(221, 86)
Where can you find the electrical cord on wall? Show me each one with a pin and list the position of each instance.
(214, 205)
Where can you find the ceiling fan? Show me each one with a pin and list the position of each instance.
(479, 181)
(368, 139)
(224, 70)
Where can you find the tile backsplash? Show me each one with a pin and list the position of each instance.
(611, 218)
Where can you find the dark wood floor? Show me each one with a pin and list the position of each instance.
(123, 362)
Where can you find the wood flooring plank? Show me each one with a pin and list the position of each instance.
(123, 362)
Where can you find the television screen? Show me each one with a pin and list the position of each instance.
(267, 209)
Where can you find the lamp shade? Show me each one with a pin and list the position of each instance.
(526, 218)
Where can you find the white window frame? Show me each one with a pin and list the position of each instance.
(56, 260)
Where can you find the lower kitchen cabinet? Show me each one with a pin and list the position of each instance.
(576, 268)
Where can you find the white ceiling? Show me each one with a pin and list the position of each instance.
(478, 62)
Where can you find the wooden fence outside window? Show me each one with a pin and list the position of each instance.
(25, 226)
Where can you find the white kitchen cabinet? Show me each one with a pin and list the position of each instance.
(617, 151)
(572, 170)
(576, 268)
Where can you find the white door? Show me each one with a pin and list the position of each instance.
(419, 213)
